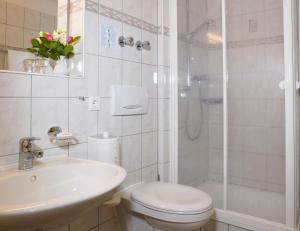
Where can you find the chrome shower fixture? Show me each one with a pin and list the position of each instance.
(205, 24)
(129, 41)
(143, 45)
(199, 78)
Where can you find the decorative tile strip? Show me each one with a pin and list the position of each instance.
(119, 16)
(128, 19)
(92, 6)
(250, 42)
(123, 17)
(235, 44)
(256, 42)
(166, 31)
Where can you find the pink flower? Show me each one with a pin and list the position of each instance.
(49, 37)
(69, 39)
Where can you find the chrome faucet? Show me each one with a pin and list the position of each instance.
(27, 152)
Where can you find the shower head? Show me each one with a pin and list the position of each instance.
(205, 25)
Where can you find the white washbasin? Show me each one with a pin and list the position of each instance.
(54, 191)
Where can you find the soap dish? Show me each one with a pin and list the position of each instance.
(60, 138)
(64, 136)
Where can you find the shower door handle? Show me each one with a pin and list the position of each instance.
(281, 85)
(297, 85)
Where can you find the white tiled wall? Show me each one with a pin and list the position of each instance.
(31, 104)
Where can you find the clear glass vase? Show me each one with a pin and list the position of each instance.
(61, 66)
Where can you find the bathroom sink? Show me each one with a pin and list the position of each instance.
(54, 191)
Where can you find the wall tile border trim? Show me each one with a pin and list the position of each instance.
(125, 18)
(236, 44)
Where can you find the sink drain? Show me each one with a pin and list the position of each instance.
(33, 179)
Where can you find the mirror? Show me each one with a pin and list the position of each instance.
(41, 36)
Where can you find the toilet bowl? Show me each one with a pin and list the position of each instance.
(167, 206)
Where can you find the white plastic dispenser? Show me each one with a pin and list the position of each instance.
(129, 100)
(104, 148)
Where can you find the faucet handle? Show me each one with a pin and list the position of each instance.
(26, 142)
(39, 154)
(30, 139)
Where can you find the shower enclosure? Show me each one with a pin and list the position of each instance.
(235, 104)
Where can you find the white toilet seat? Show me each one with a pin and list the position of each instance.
(171, 202)
(172, 198)
(171, 217)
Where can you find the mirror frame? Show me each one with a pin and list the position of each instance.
(82, 75)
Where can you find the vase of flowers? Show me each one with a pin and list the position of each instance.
(56, 46)
(61, 66)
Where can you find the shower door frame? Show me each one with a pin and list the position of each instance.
(291, 168)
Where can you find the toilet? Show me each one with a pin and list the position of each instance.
(165, 206)
(169, 207)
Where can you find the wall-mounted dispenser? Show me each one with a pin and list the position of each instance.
(129, 100)
(105, 148)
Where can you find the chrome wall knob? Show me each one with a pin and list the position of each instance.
(143, 45)
(146, 45)
(129, 41)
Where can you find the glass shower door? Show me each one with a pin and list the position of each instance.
(256, 109)
(236, 144)
(200, 102)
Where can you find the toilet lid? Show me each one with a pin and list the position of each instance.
(172, 198)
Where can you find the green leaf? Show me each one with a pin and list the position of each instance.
(43, 51)
(60, 48)
(35, 43)
(47, 44)
(70, 55)
(75, 40)
(32, 50)
(54, 56)
(53, 45)
(68, 49)
(43, 39)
